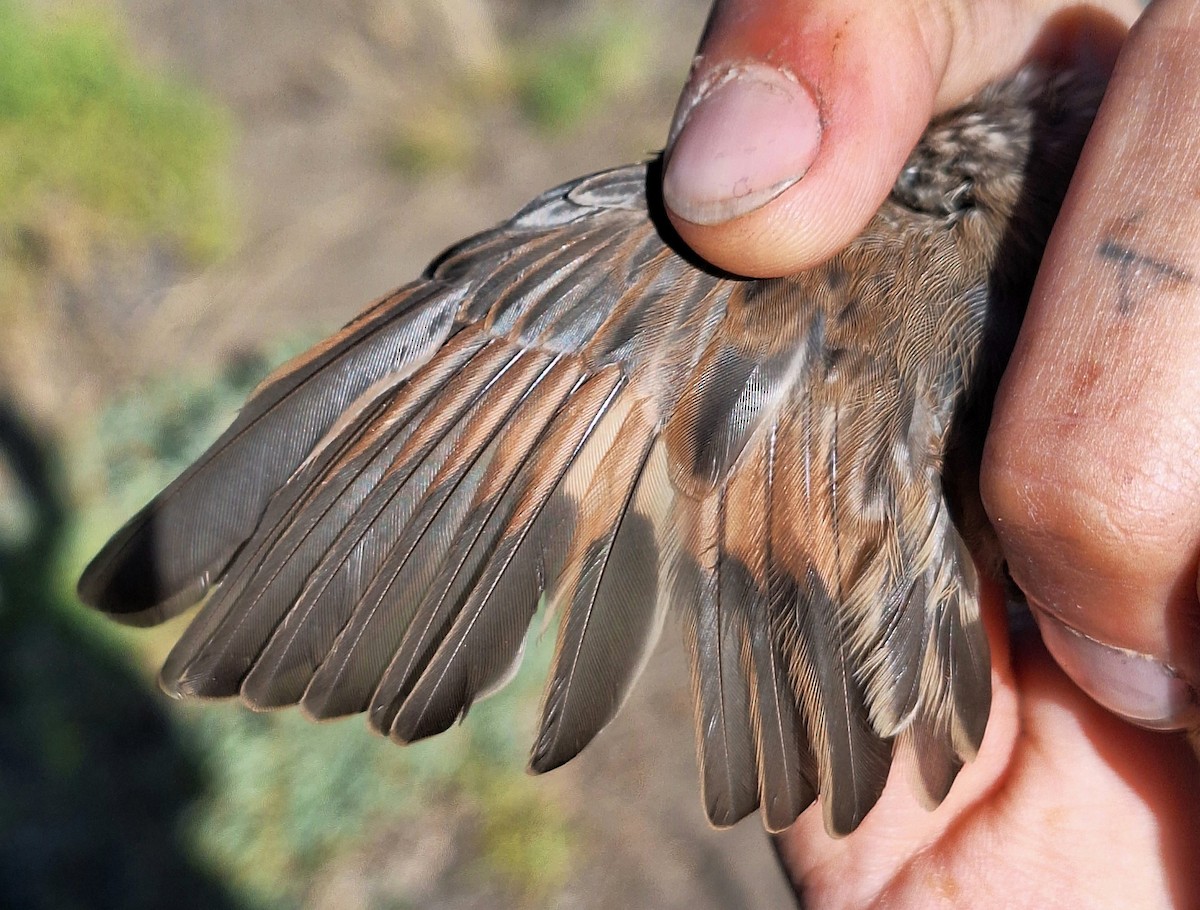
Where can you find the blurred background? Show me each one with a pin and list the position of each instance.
(189, 193)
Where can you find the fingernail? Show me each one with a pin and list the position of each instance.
(1133, 685)
(749, 134)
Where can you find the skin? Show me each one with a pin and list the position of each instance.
(1089, 476)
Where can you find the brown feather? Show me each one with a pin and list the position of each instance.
(571, 404)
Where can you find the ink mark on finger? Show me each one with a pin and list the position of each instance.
(1137, 273)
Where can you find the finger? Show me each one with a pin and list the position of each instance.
(900, 827)
(1092, 811)
(1090, 474)
(798, 114)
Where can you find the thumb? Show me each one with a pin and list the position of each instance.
(799, 114)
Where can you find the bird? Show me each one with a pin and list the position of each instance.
(572, 412)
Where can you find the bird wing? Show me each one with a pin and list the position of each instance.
(567, 406)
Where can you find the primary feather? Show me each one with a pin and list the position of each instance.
(571, 405)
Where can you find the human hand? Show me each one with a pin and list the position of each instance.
(1097, 509)
(1065, 806)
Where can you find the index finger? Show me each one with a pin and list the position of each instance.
(1091, 473)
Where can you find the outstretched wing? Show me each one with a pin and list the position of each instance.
(566, 405)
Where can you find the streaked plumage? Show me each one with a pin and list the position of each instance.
(572, 405)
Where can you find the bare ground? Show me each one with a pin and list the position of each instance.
(314, 87)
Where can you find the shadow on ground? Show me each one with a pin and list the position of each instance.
(94, 783)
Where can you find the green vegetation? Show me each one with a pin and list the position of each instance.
(440, 139)
(112, 796)
(552, 81)
(285, 796)
(558, 84)
(91, 141)
(290, 796)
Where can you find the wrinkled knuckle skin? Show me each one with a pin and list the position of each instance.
(1036, 511)
(1082, 512)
